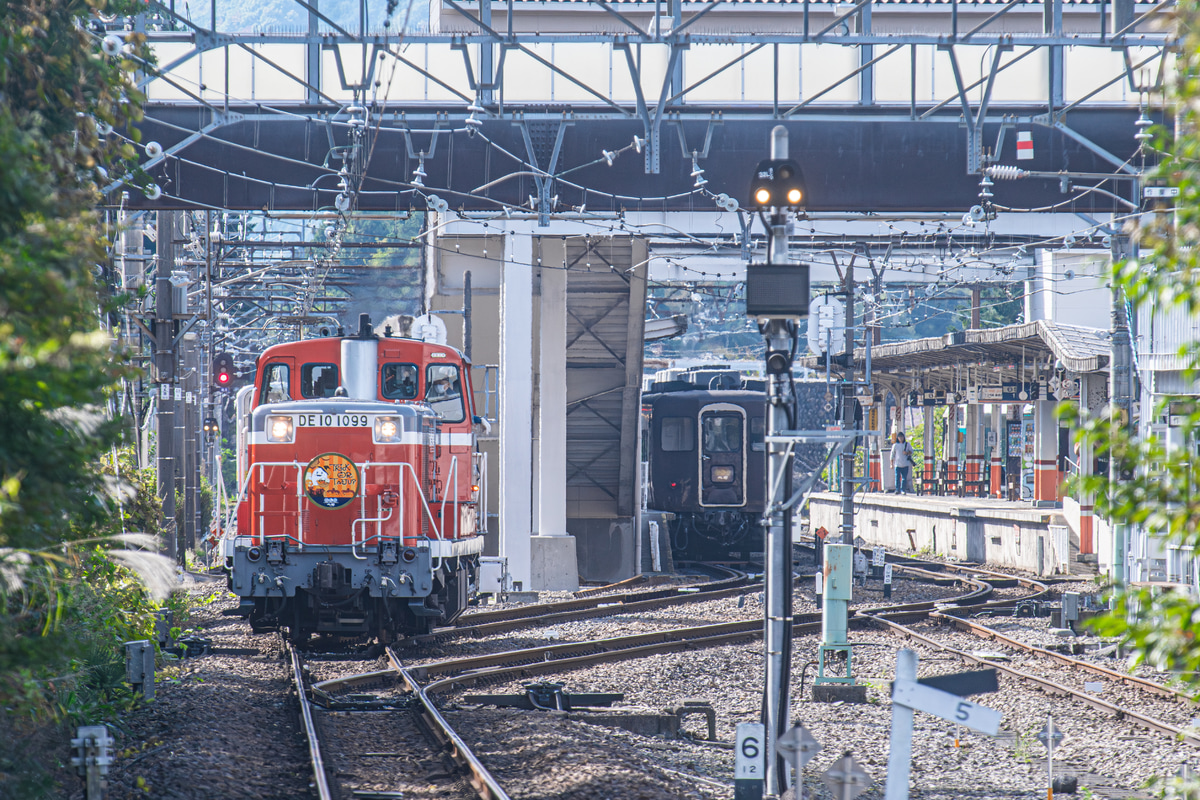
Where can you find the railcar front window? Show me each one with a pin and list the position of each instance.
(276, 386)
(318, 380)
(400, 381)
(722, 434)
(678, 434)
(443, 392)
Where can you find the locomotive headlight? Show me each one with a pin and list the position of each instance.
(721, 474)
(279, 428)
(387, 429)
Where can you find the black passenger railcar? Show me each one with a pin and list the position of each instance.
(704, 453)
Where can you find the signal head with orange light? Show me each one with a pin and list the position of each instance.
(778, 183)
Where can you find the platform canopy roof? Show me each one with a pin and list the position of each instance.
(982, 357)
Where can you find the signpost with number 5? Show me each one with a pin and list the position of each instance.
(907, 696)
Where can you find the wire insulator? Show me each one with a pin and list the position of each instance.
(1006, 173)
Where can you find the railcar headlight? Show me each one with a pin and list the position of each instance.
(279, 429)
(387, 429)
(721, 474)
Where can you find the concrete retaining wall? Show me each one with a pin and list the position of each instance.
(959, 530)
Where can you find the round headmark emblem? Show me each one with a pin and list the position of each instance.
(331, 480)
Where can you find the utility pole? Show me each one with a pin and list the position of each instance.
(1120, 392)
(777, 297)
(164, 367)
(849, 407)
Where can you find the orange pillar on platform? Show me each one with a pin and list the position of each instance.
(997, 449)
(1046, 478)
(928, 475)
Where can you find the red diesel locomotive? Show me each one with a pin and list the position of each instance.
(360, 481)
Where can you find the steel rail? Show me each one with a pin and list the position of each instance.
(736, 579)
(1047, 685)
(985, 632)
(593, 607)
(685, 642)
(320, 780)
(482, 781)
(569, 655)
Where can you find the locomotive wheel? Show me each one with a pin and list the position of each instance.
(299, 639)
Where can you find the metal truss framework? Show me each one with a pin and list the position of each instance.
(479, 151)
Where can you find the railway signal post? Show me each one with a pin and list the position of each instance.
(777, 296)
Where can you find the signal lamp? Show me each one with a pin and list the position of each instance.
(777, 182)
(222, 371)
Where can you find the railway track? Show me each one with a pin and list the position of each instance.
(421, 757)
(1179, 708)
(925, 622)
(489, 623)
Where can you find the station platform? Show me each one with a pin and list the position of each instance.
(983, 530)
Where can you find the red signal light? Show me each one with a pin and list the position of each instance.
(223, 378)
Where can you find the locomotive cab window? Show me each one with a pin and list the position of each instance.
(443, 392)
(678, 434)
(276, 385)
(399, 381)
(318, 380)
(722, 434)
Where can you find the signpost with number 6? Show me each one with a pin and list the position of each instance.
(748, 761)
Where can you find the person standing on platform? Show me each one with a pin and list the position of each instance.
(902, 461)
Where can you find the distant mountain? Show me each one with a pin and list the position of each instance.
(287, 16)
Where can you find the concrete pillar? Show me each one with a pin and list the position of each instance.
(927, 446)
(998, 433)
(516, 406)
(554, 564)
(1045, 451)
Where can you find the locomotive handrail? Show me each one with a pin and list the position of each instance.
(452, 479)
(405, 467)
(365, 521)
(231, 514)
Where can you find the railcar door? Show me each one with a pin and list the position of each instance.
(722, 455)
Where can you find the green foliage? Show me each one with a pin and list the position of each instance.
(138, 491)
(54, 365)
(1159, 490)
(65, 605)
(61, 657)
